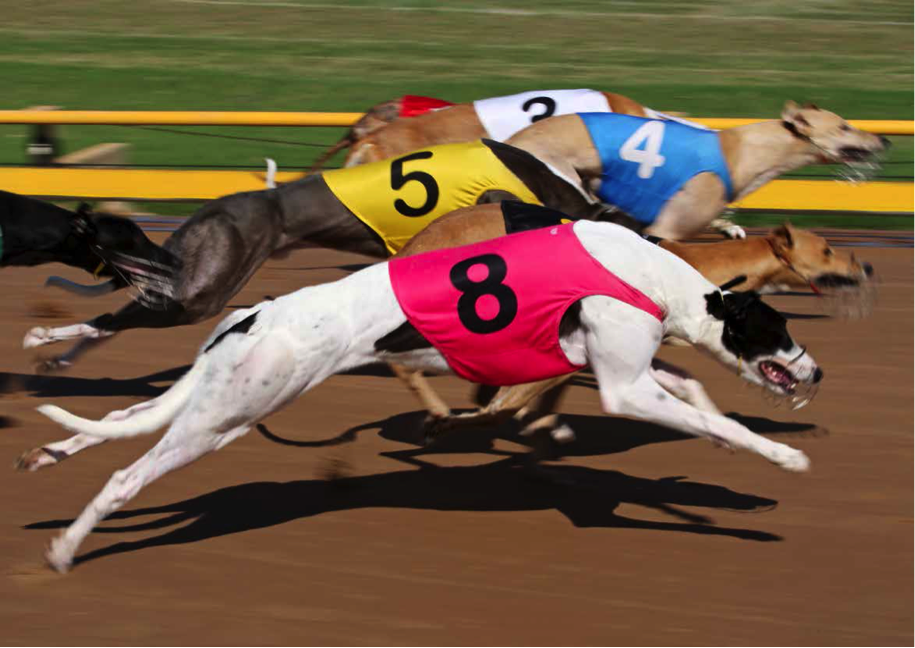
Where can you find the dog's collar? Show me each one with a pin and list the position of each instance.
(781, 257)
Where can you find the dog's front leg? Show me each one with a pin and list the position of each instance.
(646, 399)
(683, 385)
(620, 345)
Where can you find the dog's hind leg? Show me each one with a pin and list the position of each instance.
(133, 315)
(66, 360)
(422, 390)
(177, 448)
(246, 381)
(53, 453)
(40, 335)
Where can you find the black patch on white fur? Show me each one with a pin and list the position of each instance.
(402, 339)
(239, 327)
(751, 327)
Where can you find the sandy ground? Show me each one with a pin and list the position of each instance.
(332, 526)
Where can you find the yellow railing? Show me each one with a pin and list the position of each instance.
(162, 184)
(153, 185)
(190, 118)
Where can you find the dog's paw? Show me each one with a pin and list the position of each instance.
(789, 459)
(435, 427)
(734, 232)
(58, 555)
(562, 434)
(38, 458)
(36, 337)
(50, 365)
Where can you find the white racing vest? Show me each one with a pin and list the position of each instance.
(502, 117)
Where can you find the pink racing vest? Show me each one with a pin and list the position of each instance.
(493, 309)
(413, 105)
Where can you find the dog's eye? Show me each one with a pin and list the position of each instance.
(845, 128)
(828, 252)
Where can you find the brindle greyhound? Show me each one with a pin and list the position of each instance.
(754, 154)
(383, 132)
(33, 232)
(787, 258)
(224, 243)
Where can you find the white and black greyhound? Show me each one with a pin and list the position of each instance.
(260, 359)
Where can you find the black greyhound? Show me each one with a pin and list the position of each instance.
(33, 232)
(224, 243)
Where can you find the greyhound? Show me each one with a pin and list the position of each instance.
(787, 258)
(33, 232)
(224, 243)
(384, 131)
(259, 359)
(675, 180)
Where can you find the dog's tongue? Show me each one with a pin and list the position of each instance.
(778, 374)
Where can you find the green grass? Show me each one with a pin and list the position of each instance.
(702, 57)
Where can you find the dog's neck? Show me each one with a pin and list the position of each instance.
(758, 153)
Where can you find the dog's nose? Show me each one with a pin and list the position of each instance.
(885, 142)
(817, 375)
(868, 269)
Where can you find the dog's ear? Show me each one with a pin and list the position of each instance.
(714, 304)
(792, 116)
(782, 238)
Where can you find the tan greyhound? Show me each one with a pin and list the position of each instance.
(384, 131)
(787, 258)
(753, 154)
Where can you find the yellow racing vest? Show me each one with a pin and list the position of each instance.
(399, 197)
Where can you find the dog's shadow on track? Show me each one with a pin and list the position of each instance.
(587, 497)
(594, 436)
(57, 386)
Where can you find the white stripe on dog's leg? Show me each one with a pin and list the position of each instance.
(40, 335)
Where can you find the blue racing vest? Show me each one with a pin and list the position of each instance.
(646, 161)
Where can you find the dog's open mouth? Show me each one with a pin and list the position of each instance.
(833, 280)
(851, 154)
(778, 375)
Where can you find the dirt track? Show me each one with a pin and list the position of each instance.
(333, 527)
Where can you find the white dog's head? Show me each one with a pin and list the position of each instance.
(750, 336)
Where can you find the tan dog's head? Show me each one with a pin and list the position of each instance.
(832, 137)
(809, 260)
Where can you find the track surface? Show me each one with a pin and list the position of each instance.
(334, 527)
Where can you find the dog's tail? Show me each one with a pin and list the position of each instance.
(348, 140)
(146, 421)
